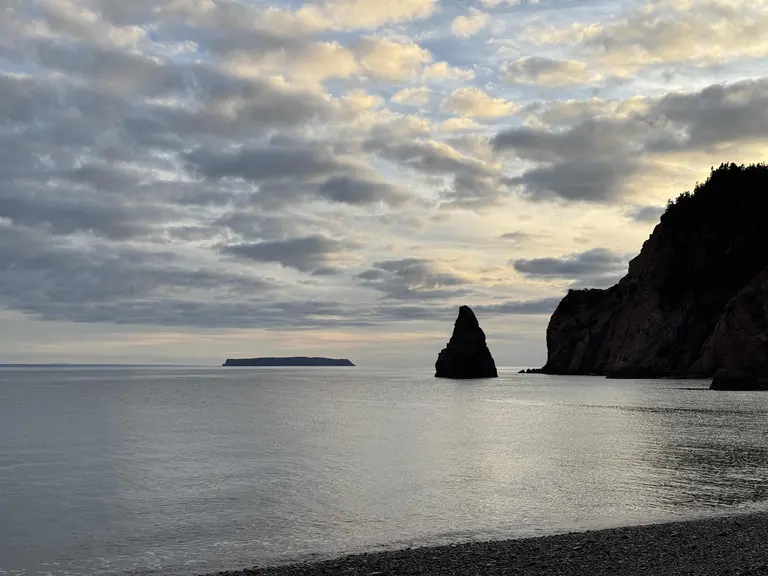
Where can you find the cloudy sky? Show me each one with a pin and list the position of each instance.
(186, 180)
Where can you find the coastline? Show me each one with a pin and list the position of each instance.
(730, 545)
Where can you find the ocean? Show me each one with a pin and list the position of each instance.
(189, 470)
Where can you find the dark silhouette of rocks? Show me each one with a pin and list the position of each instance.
(531, 371)
(466, 355)
(291, 361)
(694, 302)
(730, 380)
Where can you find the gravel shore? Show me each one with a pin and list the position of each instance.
(724, 546)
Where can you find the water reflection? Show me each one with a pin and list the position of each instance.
(107, 472)
(709, 475)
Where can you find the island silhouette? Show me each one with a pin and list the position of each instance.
(288, 361)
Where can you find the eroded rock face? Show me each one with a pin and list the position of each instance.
(466, 355)
(739, 341)
(695, 300)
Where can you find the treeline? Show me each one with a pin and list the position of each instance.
(718, 229)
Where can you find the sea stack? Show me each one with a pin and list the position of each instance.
(694, 303)
(466, 355)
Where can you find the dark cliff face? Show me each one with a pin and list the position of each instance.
(466, 355)
(694, 300)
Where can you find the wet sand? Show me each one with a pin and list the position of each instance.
(731, 546)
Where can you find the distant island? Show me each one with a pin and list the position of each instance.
(290, 361)
(694, 303)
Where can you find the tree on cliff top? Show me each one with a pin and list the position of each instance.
(719, 230)
(727, 185)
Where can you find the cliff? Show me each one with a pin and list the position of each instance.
(466, 355)
(693, 303)
(292, 361)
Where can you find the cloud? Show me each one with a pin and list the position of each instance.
(351, 14)
(444, 71)
(405, 312)
(459, 125)
(466, 26)
(594, 160)
(474, 191)
(672, 32)
(412, 96)
(545, 72)
(55, 278)
(474, 183)
(351, 190)
(358, 100)
(261, 164)
(301, 171)
(384, 57)
(413, 279)
(221, 26)
(542, 306)
(572, 111)
(327, 271)
(666, 32)
(715, 115)
(103, 217)
(177, 101)
(599, 180)
(645, 213)
(315, 61)
(255, 225)
(516, 237)
(587, 139)
(588, 162)
(304, 254)
(474, 103)
(70, 19)
(494, 3)
(252, 19)
(372, 274)
(598, 265)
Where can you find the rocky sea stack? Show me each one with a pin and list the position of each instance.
(466, 355)
(694, 302)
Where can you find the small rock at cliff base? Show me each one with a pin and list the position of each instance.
(737, 381)
(466, 355)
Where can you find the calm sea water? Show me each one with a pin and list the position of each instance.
(182, 471)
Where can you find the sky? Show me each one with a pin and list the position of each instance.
(184, 181)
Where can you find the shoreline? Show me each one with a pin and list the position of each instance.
(729, 545)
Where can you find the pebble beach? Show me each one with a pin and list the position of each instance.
(736, 545)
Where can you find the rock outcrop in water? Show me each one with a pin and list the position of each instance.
(740, 381)
(694, 302)
(466, 355)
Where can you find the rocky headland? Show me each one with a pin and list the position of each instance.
(466, 355)
(693, 303)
